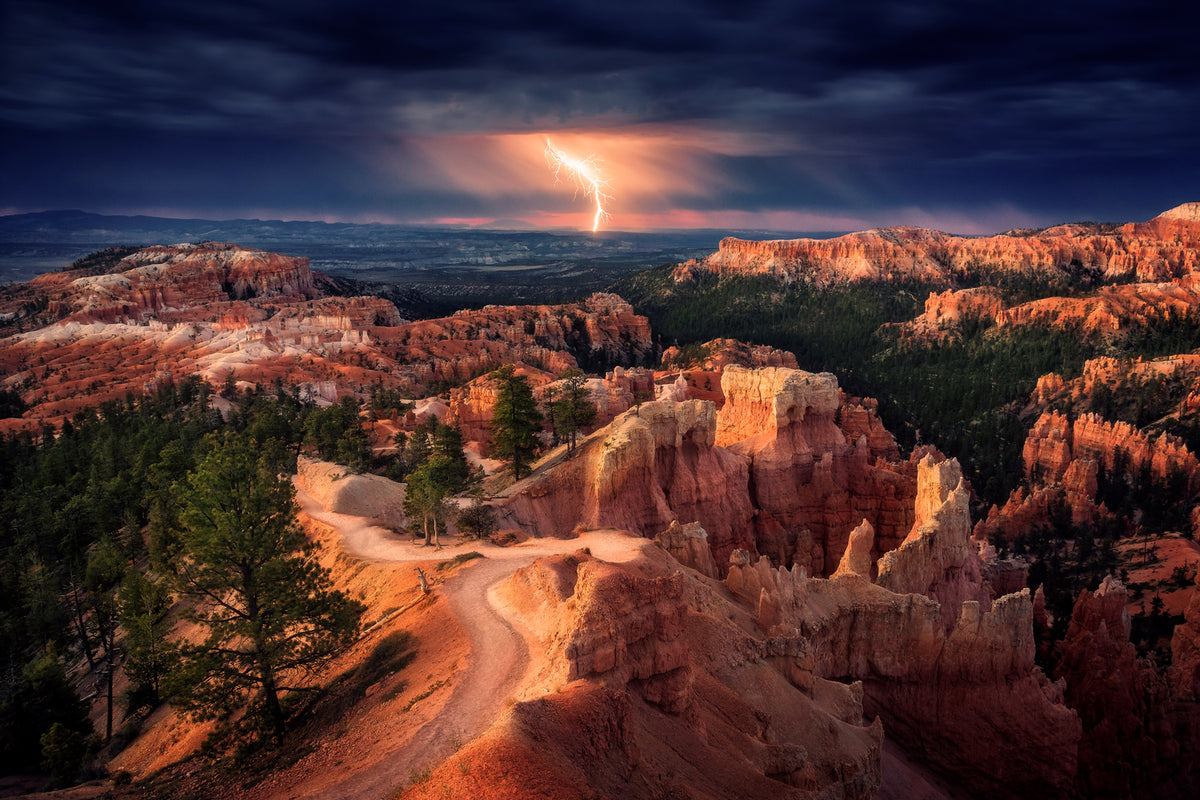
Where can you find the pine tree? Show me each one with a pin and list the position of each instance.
(144, 607)
(574, 408)
(444, 472)
(267, 605)
(515, 421)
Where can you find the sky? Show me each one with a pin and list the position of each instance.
(792, 115)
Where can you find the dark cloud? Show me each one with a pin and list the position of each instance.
(869, 105)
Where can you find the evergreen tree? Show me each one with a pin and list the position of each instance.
(515, 421)
(268, 608)
(574, 409)
(144, 604)
(443, 473)
(105, 570)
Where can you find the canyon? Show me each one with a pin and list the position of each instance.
(740, 583)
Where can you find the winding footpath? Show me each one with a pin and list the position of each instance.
(499, 642)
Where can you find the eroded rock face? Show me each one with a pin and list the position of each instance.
(741, 715)
(1063, 463)
(810, 485)
(937, 558)
(1108, 311)
(177, 277)
(688, 544)
(1159, 250)
(787, 484)
(716, 355)
(365, 495)
(221, 311)
(857, 558)
(651, 467)
(1129, 748)
(1185, 654)
(966, 696)
(473, 405)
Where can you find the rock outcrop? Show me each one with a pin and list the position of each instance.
(785, 484)
(371, 496)
(1137, 733)
(1164, 248)
(716, 355)
(937, 558)
(169, 279)
(961, 689)
(652, 466)
(1065, 458)
(740, 714)
(227, 312)
(1109, 311)
(810, 485)
(688, 544)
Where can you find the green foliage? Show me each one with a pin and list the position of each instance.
(145, 603)
(64, 754)
(106, 568)
(102, 261)
(690, 354)
(385, 400)
(572, 410)
(964, 395)
(266, 605)
(11, 404)
(477, 520)
(442, 473)
(33, 704)
(337, 434)
(515, 421)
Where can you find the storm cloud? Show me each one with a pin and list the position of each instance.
(972, 116)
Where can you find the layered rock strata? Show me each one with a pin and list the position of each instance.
(1164, 248)
(951, 673)
(771, 473)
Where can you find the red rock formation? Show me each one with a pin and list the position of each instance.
(1185, 654)
(810, 485)
(194, 323)
(1128, 748)
(1064, 459)
(946, 311)
(961, 690)
(1159, 250)
(650, 468)
(937, 558)
(717, 354)
(739, 714)
(688, 544)
(170, 279)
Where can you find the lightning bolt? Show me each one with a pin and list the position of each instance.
(587, 176)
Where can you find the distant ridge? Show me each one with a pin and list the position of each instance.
(1190, 212)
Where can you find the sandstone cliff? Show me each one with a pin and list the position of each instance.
(709, 698)
(158, 280)
(1164, 248)
(952, 677)
(772, 473)
(1139, 725)
(810, 484)
(227, 312)
(1109, 311)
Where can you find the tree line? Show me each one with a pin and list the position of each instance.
(136, 514)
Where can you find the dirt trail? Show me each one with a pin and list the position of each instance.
(499, 644)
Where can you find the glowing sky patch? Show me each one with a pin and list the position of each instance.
(586, 174)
